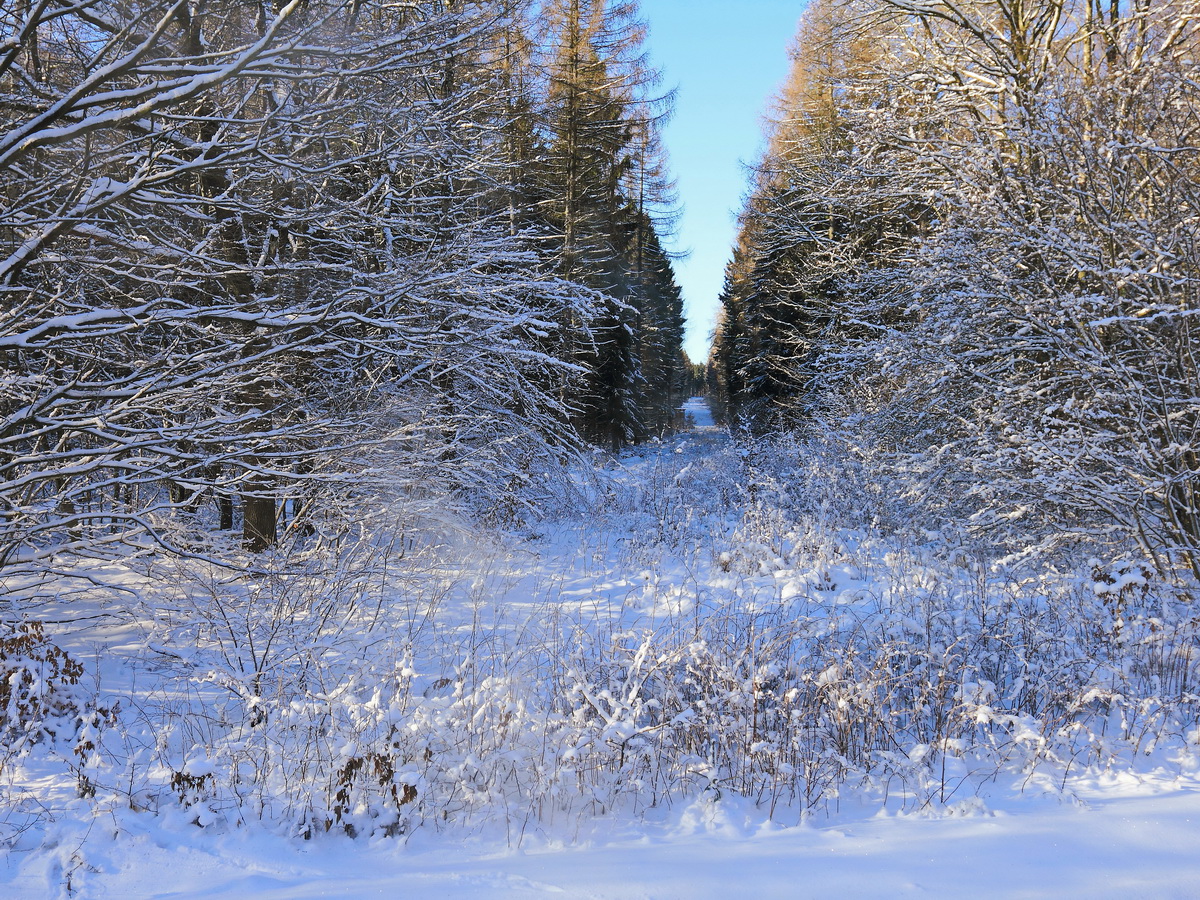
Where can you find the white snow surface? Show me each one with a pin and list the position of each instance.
(1128, 840)
(1125, 830)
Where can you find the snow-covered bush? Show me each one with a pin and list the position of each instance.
(697, 624)
(39, 694)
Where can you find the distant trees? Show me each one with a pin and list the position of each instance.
(606, 193)
(250, 250)
(995, 266)
(808, 223)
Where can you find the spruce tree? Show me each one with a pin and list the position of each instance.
(602, 189)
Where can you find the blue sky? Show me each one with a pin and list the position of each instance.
(727, 58)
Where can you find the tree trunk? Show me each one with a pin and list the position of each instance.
(225, 513)
(258, 523)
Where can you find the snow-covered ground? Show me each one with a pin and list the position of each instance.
(1128, 840)
(600, 798)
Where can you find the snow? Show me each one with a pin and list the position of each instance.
(698, 413)
(662, 543)
(1128, 840)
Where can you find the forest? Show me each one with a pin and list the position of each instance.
(970, 253)
(365, 528)
(257, 254)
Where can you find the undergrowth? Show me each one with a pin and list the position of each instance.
(726, 621)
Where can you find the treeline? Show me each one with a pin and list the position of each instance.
(971, 253)
(255, 256)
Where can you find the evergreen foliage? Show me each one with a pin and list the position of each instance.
(606, 195)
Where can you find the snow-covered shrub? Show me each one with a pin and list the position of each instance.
(698, 638)
(39, 698)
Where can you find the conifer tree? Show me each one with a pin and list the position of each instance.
(603, 186)
(825, 208)
(966, 249)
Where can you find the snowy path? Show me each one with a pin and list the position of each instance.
(1120, 834)
(699, 414)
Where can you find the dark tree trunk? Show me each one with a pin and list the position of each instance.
(225, 513)
(258, 523)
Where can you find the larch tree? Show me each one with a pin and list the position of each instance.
(808, 222)
(1003, 232)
